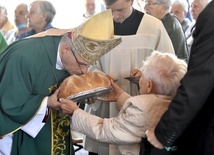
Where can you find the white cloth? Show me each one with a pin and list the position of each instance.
(33, 127)
(118, 63)
(59, 64)
(5, 145)
(10, 36)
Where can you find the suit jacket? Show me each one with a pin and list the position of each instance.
(189, 119)
(177, 36)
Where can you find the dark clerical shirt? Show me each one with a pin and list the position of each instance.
(130, 25)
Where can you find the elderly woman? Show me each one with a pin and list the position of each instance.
(180, 10)
(161, 75)
(40, 17)
(196, 7)
(161, 10)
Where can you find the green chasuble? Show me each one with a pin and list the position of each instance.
(3, 43)
(27, 75)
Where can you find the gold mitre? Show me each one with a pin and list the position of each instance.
(95, 37)
(92, 39)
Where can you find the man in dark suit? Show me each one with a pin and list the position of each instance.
(189, 121)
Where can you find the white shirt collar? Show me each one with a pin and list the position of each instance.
(59, 64)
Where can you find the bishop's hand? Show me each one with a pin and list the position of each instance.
(53, 101)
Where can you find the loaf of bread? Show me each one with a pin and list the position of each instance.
(79, 83)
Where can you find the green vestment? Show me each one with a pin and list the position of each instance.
(3, 43)
(27, 72)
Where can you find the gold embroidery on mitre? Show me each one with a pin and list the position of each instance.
(95, 37)
(92, 46)
(76, 31)
(61, 133)
(92, 50)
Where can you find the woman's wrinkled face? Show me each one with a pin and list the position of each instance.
(178, 11)
(35, 17)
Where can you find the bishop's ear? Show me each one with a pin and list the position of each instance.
(65, 48)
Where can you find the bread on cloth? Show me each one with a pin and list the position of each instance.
(79, 83)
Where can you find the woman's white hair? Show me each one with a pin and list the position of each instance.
(47, 8)
(167, 2)
(165, 71)
(205, 2)
(202, 2)
(183, 3)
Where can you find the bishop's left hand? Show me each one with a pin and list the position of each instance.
(53, 101)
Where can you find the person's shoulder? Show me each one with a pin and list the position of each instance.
(150, 18)
(170, 21)
(209, 7)
(207, 13)
(136, 16)
(48, 26)
(170, 18)
(151, 25)
(151, 96)
(187, 21)
(144, 98)
(12, 31)
(26, 34)
(150, 22)
(137, 12)
(25, 44)
(147, 101)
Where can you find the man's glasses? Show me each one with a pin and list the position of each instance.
(80, 64)
(151, 3)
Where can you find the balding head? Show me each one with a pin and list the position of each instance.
(20, 14)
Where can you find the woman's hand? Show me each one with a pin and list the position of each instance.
(136, 73)
(68, 106)
(113, 95)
